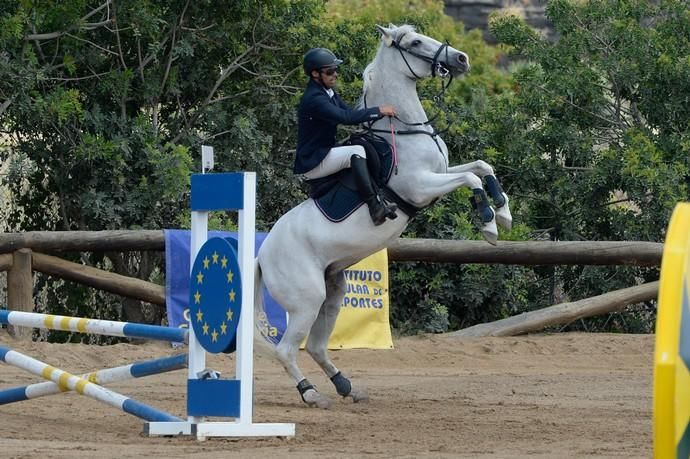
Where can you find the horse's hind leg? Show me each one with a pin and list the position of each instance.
(299, 323)
(317, 345)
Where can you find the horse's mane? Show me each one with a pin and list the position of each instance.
(367, 75)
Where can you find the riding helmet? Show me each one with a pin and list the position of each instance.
(317, 58)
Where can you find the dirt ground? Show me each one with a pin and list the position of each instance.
(433, 396)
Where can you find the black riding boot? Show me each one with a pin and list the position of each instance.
(377, 209)
(374, 165)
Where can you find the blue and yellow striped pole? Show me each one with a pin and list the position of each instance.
(672, 353)
(95, 326)
(69, 381)
(100, 377)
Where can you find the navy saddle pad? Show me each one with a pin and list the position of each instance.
(336, 195)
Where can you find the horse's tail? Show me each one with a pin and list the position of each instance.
(263, 342)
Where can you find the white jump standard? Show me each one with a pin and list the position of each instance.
(219, 311)
(218, 279)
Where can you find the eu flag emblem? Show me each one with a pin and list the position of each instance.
(215, 295)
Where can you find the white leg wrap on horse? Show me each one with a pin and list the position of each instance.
(503, 216)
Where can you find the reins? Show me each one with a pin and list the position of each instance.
(395, 149)
(433, 134)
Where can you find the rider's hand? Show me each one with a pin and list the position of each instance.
(387, 110)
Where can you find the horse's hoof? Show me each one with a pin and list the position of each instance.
(503, 216)
(315, 399)
(359, 396)
(490, 232)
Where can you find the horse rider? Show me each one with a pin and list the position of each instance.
(320, 111)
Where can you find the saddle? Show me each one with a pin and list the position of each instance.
(336, 195)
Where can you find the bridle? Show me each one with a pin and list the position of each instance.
(436, 65)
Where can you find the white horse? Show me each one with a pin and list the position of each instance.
(303, 258)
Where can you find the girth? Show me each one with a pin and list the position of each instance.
(403, 205)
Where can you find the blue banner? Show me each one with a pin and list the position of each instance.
(177, 276)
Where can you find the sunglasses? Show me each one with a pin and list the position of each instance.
(329, 71)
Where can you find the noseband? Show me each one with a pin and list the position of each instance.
(436, 64)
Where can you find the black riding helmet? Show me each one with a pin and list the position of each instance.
(318, 58)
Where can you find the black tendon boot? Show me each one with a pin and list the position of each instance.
(377, 209)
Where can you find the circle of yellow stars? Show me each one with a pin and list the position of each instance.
(231, 296)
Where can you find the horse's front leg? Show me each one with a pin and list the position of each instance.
(500, 198)
(317, 345)
(430, 185)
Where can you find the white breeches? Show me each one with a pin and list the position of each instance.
(338, 158)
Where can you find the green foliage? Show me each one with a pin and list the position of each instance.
(590, 123)
(113, 103)
(104, 110)
(108, 118)
(589, 136)
(107, 104)
(594, 140)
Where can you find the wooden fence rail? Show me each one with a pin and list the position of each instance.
(129, 287)
(429, 250)
(18, 255)
(563, 313)
(528, 253)
(83, 241)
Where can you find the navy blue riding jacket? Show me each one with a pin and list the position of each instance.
(318, 117)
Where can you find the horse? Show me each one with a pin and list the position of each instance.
(303, 258)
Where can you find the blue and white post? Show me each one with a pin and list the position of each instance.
(223, 191)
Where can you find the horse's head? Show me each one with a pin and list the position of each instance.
(422, 56)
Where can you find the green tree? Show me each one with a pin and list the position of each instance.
(595, 140)
(103, 104)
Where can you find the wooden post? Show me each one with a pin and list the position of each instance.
(20, 289)
(564, 313)
(5, 261)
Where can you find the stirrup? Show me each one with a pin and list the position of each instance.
(391, 209)
(379, 211)
(377, 219)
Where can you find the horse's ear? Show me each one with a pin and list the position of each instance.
(388, 35)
